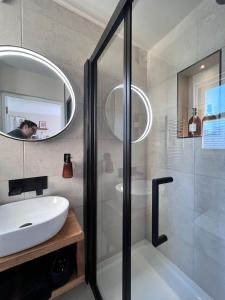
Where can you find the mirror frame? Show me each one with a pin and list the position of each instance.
(148, 108)
(27, 53)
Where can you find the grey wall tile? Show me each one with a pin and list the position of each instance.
(65, 17)
(10, 23)
(210, 275)
(180, 253)
(209, 244)
(71, 188)
(11, 162)
(209, 162)
(210, 24)
(4, 198)
(209, 193)
(46, 158)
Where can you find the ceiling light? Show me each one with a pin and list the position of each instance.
(202, 67)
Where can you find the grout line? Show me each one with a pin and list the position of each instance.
(21, 5)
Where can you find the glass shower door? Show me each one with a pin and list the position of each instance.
(110, 167)
(107, 185)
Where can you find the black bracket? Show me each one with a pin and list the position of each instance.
(156, 239)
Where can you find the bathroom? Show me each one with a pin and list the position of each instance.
(140, 156)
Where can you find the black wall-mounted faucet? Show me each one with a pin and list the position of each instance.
(19, 186)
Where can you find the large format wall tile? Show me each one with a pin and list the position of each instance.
(4, 197)
(209, 193)
(71, 188)
(11, 162)
(211, 29)
(180, 253)
(210, 243)
(10, 23)
(65, 17)
(210, 275)
(209, 162)
(46, 158)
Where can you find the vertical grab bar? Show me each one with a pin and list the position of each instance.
(156, 239)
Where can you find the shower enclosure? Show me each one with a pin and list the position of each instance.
(155, 153)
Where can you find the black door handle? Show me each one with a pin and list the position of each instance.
(156, 239)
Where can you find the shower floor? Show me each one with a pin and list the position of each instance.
(154, 277)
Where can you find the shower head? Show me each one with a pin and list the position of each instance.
(220, 1)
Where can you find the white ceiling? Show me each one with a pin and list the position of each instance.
(152, 19)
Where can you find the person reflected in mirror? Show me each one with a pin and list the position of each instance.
(25, 131)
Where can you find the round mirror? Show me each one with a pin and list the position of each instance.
(37, 99)
(141, 113)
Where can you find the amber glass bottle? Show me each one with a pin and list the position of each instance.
(67, 168)
(194, 124)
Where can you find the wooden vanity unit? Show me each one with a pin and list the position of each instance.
(71, 233)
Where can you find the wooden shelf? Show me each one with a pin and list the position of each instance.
(74, 281)
(70, 233)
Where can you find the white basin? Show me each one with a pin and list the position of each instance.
(140, 191)
(43, 218)
(138, 187)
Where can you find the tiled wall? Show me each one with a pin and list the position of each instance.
(192, 207)
(68, 40)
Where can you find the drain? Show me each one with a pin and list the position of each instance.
(25, 225)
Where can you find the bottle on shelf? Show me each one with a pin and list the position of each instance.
(194, 124)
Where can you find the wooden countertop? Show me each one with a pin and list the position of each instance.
(69, 234)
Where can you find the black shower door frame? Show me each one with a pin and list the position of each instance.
(123, 13)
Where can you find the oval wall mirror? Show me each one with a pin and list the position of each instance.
(141, 113)
(37, 99)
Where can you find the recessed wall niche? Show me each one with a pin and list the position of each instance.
(199, 95)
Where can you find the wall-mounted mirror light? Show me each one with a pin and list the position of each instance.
(37, 99)
(141, 113)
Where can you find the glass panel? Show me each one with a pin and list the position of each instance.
(110, 168)
(174, 42)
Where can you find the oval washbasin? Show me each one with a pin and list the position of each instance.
(140, 191)
(27, 223)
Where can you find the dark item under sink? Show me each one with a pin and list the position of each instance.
(36, 280)
(63, 266)
(6, 283)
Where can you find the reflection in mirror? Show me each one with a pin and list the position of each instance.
(141, 113)
(37, 99)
